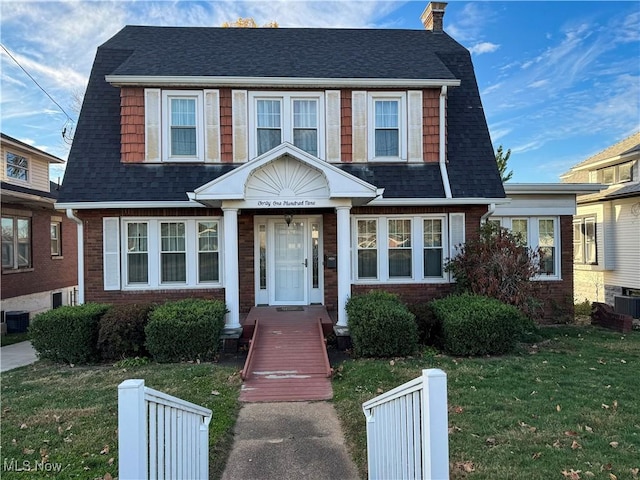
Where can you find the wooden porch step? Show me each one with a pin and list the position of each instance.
(287, 359)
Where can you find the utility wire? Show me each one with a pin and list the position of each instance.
(34, 81)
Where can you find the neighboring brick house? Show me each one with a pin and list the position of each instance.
(39, 244)
(606, 228)
(281, 166)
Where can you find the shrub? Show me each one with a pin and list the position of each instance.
(68, 334)
(497, 265)
(381, 326)
(583, 308)
(121, 332)
(185, 330)
(427, 322)
(476, 325)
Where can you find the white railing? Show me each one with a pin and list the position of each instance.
(160, 436)
(407, 430)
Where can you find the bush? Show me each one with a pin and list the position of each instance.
(68, 334)
(185, 330)
(583, 308)
(121, 332)
(427, 322)
(497, 265)
(381, 326)
(476, 325)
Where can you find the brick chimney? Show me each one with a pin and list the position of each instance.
(433, 15)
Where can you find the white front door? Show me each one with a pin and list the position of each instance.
(289, 263)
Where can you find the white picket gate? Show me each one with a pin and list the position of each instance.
(407, 430)
(160, 436)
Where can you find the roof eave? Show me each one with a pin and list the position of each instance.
(283, 82)
(552, 188)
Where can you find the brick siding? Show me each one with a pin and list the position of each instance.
(47, 272)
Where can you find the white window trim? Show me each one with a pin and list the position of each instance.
(402, 125)
(417, 249)
(533, 231)
(154, 253)
(286, 118)
(582, 222)
(16, 244)
(58, 238)
(28, 169)
(167, 95)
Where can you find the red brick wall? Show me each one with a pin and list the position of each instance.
(47, 272)
(132, 124)
(346, 140)
(431, 129)
(246, 266)
(330, 244)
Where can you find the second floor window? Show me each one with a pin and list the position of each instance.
(17, 167)
(387, 128)
(184, 126)
(287, 117)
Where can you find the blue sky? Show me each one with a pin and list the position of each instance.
(559, 81)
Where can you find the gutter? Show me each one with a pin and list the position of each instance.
(490, 211)
(443, 156)
(80, 230)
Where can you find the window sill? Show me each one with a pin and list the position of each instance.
(11, 271)
(57, 257)
(158, 288)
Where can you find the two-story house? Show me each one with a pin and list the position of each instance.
(606, 228)
(283, 166)
(39, 244)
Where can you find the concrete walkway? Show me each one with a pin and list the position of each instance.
(289, 440)
(17, 355)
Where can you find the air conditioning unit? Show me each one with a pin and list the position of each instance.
(627, 305)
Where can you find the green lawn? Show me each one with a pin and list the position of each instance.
(568, 403)
(69, 415)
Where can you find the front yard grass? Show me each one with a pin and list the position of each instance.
(564, 405)
(68, 415)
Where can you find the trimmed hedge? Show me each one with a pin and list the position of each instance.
(477, 325)
(381, 325)
(427, 322)
(185, 330)
(68, 334)
(121, 332)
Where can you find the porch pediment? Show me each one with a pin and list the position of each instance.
(286, 176)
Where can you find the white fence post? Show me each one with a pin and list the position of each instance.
(132, 431)
(435, 426)
(407, 430)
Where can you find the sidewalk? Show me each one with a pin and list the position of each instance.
(289, 440)
(16, 355)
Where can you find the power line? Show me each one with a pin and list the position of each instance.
(34, 81)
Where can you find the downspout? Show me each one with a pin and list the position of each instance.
(490, 211)
(443, 145)
(80, 230)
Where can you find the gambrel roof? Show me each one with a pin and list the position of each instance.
(95, 173)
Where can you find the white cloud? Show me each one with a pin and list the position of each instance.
(484, 47)
(491, 88)
(539, 83)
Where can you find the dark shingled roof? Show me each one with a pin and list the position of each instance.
(94, 172)
(31, 191)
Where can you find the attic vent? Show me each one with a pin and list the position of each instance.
(433, 15)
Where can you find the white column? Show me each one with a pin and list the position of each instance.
(344, 263)
(231, 282)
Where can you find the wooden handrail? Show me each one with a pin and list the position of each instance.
(246, 371)
(323, 346)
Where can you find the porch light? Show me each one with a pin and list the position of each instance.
(288, 218)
